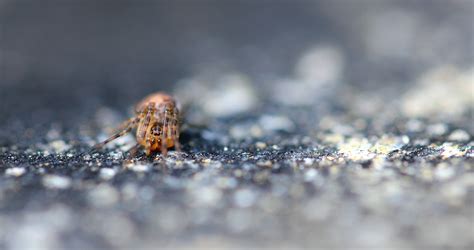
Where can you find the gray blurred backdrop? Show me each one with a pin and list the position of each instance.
(56, 54)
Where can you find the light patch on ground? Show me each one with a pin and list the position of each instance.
(444, 91)
(361, 149)
(16, 171)
(56, 182)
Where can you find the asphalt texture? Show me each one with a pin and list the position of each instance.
(330, 149)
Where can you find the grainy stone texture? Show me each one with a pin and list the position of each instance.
(304, 158)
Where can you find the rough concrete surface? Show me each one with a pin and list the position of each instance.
(362, 143)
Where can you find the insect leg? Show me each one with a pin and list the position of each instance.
(133, 152)
(143, 127)
(177, 146)
(148, 144)
(130, 122)
(164, 143)
(113, 137)
(126, 127)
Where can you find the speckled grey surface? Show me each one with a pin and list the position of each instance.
(347, 140)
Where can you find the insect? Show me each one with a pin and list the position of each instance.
(157, 124)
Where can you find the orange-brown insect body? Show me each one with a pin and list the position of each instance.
(156, 122)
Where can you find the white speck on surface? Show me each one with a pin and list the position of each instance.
(205, 196)
(129, 191)
(226, 183)
(361, 149)
(442, 92)
(459, 135)
(414, 125)
(245, 198)
(53, 134)
(206, 161)
(276, 123)
(107, 173)
(444, 171)
(387, 144)
(356, 149)
(103, 195)
(59, 146)
(437, 129)
(310, 174)
(138, 167)
(260, 145)
(264, 163)
(56, 182)
(16, 171)
(116, 155)
(34, 236)
(308, 161)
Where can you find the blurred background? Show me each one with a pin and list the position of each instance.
(331, 123)
(56, 54)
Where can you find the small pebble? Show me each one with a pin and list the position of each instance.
(59, 146)
(56, 182)
(459, 135)
(276, 123)
(206, 196)
(260, 145)
(310, 174)
(16, 171)
(226, 182)
(444, 171)
(139, 167)
(414, 125)
(103, 195)
(308, 161)
(116, 155)
(267, 163)
(107, 173)
(437, 129)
